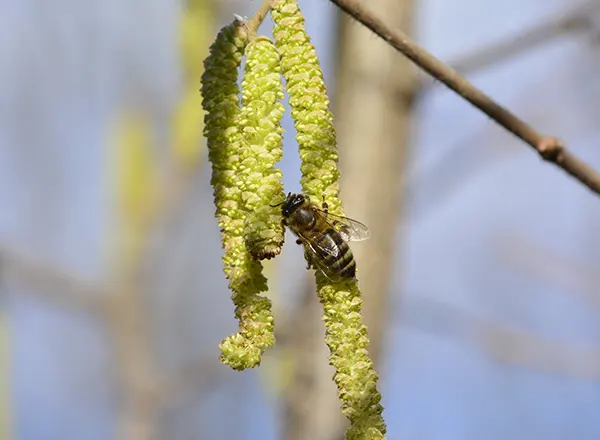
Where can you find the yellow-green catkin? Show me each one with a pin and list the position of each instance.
(260, 126)
(346, 335)
(220, 93)
(309, 105)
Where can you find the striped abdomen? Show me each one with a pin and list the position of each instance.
(343, 264)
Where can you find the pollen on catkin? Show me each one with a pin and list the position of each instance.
(309, 104)
(346, 335)
(220, 93)
(262, 138)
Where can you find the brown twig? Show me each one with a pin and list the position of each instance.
(258, 17)
(549, 148)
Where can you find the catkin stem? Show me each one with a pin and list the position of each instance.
(258, 18)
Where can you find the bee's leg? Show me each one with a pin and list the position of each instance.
(308, 259)
(298, 241)
(325, 205)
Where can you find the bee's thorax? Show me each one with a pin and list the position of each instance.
(304, 218)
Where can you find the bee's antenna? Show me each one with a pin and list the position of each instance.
(279, 204)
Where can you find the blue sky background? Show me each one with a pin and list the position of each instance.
(475, 194)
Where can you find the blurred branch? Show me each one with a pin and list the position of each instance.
(374, 103)
(549, 148)
(168, 222)
(148, 225)
(503, 343)
(49, 282)
(127, 321)
(310, 401)
(434, 184)
(56, 285)
(194, 380)
(546, 264)
(146, 393)
(7, 413)
(577, 18)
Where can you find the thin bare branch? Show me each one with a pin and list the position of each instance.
(434, 185)
(540, 261)
(502, 343)
(257, 19)
(549, 148)
(577, 18)
(48, 281)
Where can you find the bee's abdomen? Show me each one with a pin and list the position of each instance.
(343, 263)
(350, 269)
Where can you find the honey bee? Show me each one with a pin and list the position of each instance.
(325, 236)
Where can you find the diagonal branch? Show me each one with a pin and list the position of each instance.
(546, 265)
(49, 281)
(549, 148)
(258, 17)
(503, 343)
(579, 18)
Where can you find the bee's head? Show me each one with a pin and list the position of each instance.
(291, 203)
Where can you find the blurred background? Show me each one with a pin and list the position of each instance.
(481, 280)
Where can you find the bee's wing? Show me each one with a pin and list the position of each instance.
(324, 247)
(316, 258)
(317, 251)
(349, 229)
